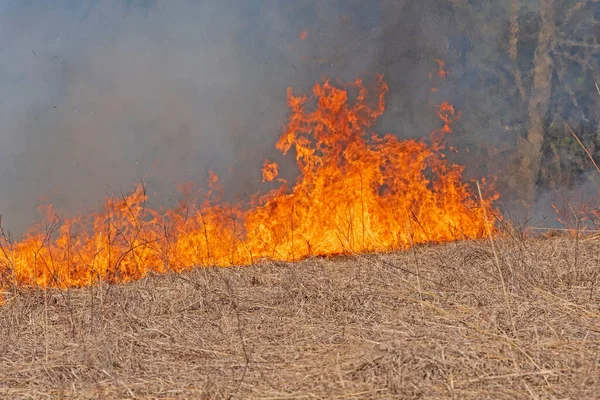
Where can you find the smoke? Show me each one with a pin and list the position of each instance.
(98, 95)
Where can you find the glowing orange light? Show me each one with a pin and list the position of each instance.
(356, 192)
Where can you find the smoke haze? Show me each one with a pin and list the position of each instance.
(97, 95)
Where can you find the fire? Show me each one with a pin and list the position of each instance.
(270, 171)
(356, 192)
(440, 72)
(578, 218)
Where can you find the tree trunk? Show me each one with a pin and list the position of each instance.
(513, 46)
(531, 149)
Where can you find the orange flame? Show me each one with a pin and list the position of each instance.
(356, 192)
(270, 171)
(440, 72)
(578, 218)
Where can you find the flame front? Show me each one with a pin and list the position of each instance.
(356, 192)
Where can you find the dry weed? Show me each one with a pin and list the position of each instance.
(345, 327)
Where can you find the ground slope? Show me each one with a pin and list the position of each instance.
(346, 327)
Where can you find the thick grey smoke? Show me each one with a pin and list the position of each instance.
(98, 95)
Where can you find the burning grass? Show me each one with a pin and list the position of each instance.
(356, 192)
(433, 324)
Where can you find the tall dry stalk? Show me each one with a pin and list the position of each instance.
(416, 260)
(497, 260)
(581, 144)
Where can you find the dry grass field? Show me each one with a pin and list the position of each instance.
(436, 323)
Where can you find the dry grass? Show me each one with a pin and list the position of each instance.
(346, 327)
